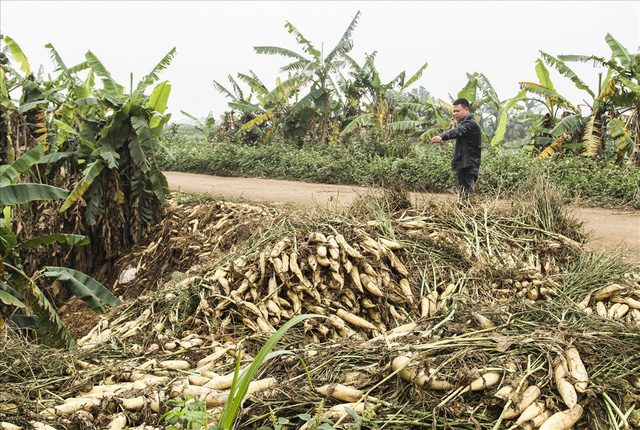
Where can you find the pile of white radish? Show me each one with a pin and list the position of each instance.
(610, 302)
(524, 406)
(150, 385)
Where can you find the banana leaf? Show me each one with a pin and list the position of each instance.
(16, 194)
(87, 289)
(18, 55)
(10, 173)
(88, 176)
(69, 239)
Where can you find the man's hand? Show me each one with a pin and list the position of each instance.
(436, 139)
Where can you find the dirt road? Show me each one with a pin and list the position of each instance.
(607, 227)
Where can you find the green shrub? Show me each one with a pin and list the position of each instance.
(372, 160)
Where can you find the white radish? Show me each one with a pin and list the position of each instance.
(534, 409)
(175, 364)
(563, 420)
(341, 392)
(608, 292)
(134, 403)
(577, 369)
(565, 388)
(529, 396)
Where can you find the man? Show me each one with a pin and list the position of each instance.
(465, 161)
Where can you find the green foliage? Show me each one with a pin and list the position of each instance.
(187, 414)
(241, 382)
(372, 160)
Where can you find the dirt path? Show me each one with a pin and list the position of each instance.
(607, 227)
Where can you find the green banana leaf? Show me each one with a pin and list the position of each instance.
(8, 299)
(159, 97)
(69, 239)
(88, 176)
(87, 289)
(111, 87)
(144, 140)
(571, 124)
(16, 194)
(9, 174)
(18, 55)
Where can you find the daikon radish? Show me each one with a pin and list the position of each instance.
(118, 423)
(198, 380)
(98, 389)
(195, 390)
(175, 364)
(338, 411)
(407, 373)
(601, 309)
(485, 381)
(40, 426)
(317, 237)
(537, 421)
(565, 388)
(222, 382)
(584, 303)
(218, 398)
(484, 322)
(391, 244)
(608, 292)
(503, 393)
(417, 377)
(534, 409)
(437, 384)
(529, 396)
(632, 303)
(134, 403)
(341, 392)
(621, 311)
(156, 401)
(75, 404)
(563, 420)
(353, 253)
(577, 369)
(613, 309)
(406, 288)
(355, 320)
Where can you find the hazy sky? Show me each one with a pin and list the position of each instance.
(215, 39)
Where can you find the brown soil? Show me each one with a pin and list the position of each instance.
(609, 228)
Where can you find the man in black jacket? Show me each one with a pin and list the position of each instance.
(465, 161)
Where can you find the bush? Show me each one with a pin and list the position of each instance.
(372, 160)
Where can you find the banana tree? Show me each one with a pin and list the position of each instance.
(319, 68)
(100, 143)
(386, 106)
(592, 128)
(274, 109)
(555, 105)
(620, 92)
(495, 123)
(19, 290)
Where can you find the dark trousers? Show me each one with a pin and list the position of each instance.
(467, 179)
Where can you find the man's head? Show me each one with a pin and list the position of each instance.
(460, 109)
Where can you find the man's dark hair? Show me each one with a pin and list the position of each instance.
(463, 102)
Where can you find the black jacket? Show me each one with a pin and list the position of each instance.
(466, 153)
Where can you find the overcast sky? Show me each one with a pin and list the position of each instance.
(215, 39)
